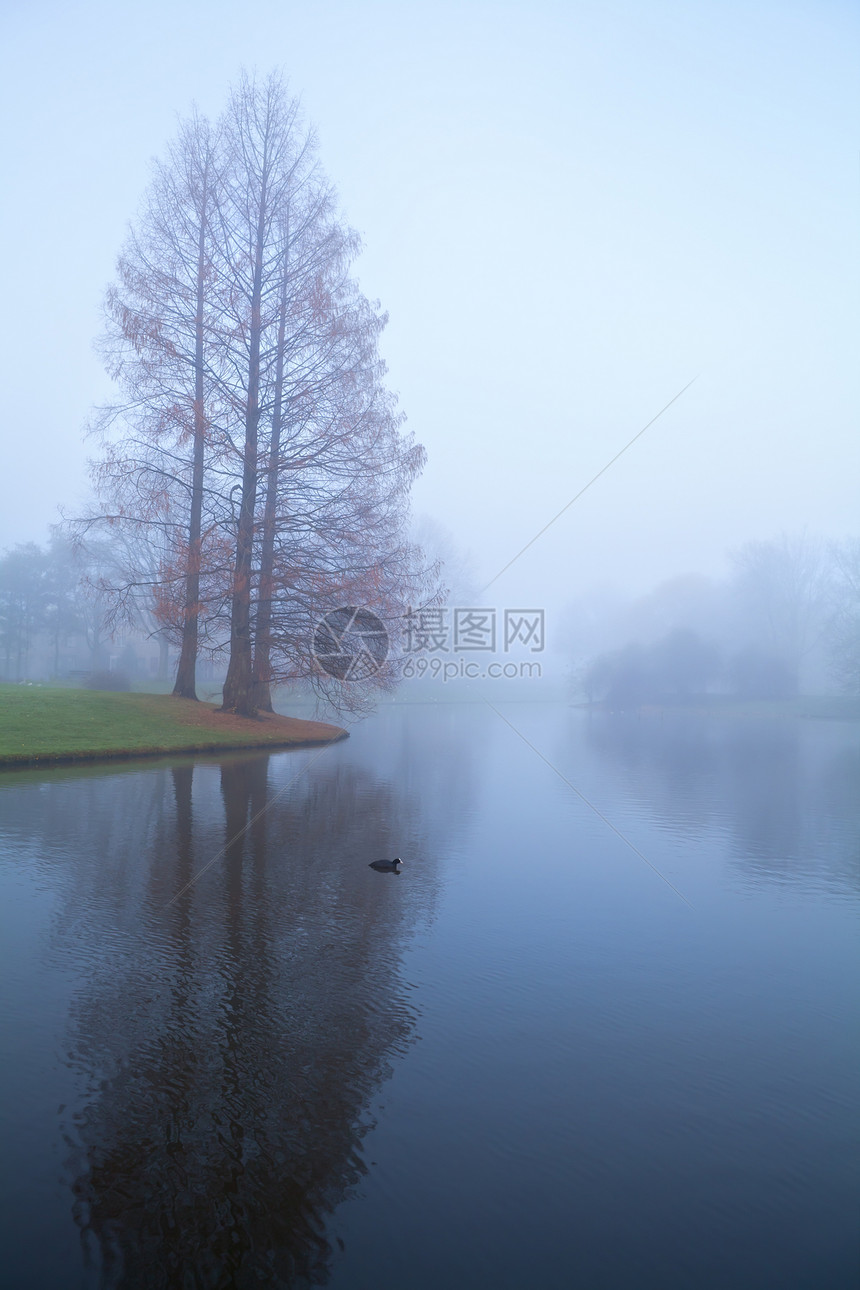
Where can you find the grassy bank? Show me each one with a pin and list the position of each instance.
(38, 724)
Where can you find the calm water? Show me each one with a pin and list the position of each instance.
(525, 1062)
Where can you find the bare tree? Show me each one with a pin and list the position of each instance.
(162, 347)
(784, 586)
(845, 624)
(268, 157)
(325, 469)
(333, 531)
(256, 449)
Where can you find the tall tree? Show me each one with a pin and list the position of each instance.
(325, 471)
(162, 347)
(256, 448)
(262, 697)
(338, 468)
(266, 157)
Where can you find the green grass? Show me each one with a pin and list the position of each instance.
(42, 724)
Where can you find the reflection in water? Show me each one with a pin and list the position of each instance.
(788, 791)
(232, 1035)
(612, 1088)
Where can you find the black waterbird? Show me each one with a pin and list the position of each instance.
(387, 866)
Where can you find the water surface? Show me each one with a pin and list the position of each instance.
(558, 1050)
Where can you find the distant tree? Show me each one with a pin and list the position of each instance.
(128, 572)
(62, 613)
(621, 677)
(451, 568)
(94, 599)
(844, 637)
(754, 673)
(784, 587)
(24, 599)
(683, 664)
(679, 666)
(687, 602)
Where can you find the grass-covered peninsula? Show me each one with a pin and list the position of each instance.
(38, 724)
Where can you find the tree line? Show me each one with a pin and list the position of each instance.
(57, 622)
(253, 472)
(787, 620)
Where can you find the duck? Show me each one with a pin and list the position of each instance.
(387, 866)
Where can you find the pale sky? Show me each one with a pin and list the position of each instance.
(569, 211)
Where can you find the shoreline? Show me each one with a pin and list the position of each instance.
(44, 727)
(809, 707)
(135, 754)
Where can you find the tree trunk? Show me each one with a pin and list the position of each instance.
(186, 673)
(239, 682)
(263, 634)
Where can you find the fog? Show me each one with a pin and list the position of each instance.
(569, 211)
(782, 622)
(598, 595)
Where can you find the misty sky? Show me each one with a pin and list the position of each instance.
(569, 211)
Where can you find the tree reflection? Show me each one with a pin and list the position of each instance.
(233, 1040)
(786, 790)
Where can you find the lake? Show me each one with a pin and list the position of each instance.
(601, 1031)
